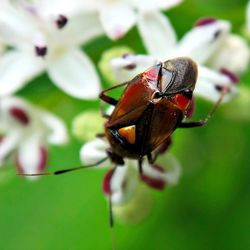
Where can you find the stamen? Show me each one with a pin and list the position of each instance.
(217, 34)
(205, 21)
(41, 50)
(20, 115)
(130, 66)
(61, 21)
(126, 55)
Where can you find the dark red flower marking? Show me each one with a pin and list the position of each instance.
(205, 21)
(154, 182)
(106, 187)
(234, 79)
(20, 115)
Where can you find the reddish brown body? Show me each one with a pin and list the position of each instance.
(152, 106)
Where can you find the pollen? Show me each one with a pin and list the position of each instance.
(128, 133)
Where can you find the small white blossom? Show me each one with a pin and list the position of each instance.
(44, 40)
(118, 16)
(122, 184)
(202, 44)
(233, 54)
(25, 132)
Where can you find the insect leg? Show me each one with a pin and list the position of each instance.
(108, 99)
(151, 159)
(140, 166)
(203, 122)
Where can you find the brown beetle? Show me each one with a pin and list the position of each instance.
(151, 107)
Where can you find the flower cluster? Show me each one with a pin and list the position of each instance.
(25, 132)
(124, 185)
(43, 40)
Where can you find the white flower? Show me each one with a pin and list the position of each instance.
(50, 42)
(118, 16)
(2, 47)
(121, 184)
(202, 44)
(26, 131)
(233, 54)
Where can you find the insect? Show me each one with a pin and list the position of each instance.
(152, 106)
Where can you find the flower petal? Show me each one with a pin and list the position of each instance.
(16, 69)
(48, 8)
(16, 25)
(202, 41)
(83, 27)
(157, 34)
(8, 144)
(157, 176)
(150, 5)
(167, 4)
(93, 151)
(234, 55)
(127, 67)
(75, 74)
(123, 183)
(209, 83)
(57, 131)
(117, 19)
(32, 156)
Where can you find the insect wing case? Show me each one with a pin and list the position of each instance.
(141, 121)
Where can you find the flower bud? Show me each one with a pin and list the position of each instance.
(86, 125)
(107, 56)
(137, 208)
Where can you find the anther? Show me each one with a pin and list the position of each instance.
(61, 21)
(41, 50)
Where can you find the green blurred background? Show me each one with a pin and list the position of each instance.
(209, 209)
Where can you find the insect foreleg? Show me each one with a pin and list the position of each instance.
(108, 99)
(203, 122)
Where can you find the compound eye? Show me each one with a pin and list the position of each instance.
(128, 133)
(184, 99)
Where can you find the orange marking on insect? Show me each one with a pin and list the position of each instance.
(128, 133)
(182, 101)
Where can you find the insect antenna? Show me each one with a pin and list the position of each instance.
(67, 170)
